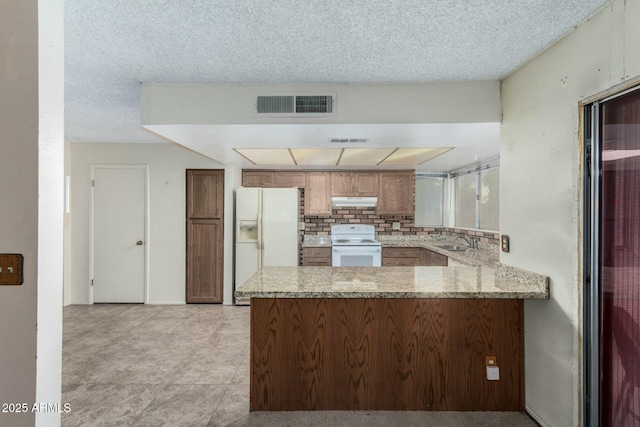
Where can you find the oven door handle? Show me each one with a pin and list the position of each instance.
(359, 249)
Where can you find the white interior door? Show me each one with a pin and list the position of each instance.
(119, 234)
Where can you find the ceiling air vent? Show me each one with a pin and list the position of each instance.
(275, 104)
(295, 105)
(314, 104)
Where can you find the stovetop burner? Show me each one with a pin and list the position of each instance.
(355, 242)
(353, 235)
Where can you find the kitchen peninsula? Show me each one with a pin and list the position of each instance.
(388, 338)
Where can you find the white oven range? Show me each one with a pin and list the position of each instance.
(354, 245)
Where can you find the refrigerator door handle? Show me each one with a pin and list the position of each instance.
(262, 248)
(260, 224)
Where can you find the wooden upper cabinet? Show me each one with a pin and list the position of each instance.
(273, 179)
(396, 195)
(341, 184)
(361, 184)
(317, 197)
(206, 194)
(365, 184)
(257, 179)
(289, 179)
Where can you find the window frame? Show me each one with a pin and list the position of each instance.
(443, 177)
(476, 169)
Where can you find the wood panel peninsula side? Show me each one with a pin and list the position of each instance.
(388, 338)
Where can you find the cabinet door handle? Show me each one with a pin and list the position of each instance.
(139, 243)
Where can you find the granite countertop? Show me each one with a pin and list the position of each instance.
(313, 241)
(395, 282)
(487, 255)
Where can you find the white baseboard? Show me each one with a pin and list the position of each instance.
(148, 303)
(165, 303)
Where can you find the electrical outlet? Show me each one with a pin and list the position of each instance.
(11, 269)
(396, 226)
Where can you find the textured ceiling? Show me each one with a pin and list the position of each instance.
(111, 46)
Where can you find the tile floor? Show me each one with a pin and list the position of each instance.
(147, 365)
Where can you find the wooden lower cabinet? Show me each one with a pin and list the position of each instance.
(319, 257)
(401, 257)
(385, 354)
(412, 257)
(431, 258)
(204, 261)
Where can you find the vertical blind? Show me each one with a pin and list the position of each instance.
(620, 260)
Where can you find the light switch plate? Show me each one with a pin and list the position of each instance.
(504, 243)
(11, 269)
(493, 373)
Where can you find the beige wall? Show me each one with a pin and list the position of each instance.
(167, 164)
(31, 122)
(446, 102)
(19, 195)
(540, 180)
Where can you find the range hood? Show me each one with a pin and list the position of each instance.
(360, 202)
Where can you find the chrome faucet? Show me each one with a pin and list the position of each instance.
(473, 243)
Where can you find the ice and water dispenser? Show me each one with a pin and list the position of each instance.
(247, 231)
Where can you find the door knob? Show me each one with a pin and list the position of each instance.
(139, 243)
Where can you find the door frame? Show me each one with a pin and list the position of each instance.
(147, 235)
(589, 172)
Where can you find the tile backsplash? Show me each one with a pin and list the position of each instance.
(384, 225)
(321, 225)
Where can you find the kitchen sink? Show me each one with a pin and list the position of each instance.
(453, 248)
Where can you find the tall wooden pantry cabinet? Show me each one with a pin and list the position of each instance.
(205, 239)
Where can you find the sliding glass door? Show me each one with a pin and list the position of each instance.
(612, 271)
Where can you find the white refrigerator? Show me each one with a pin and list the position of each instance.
(266, 229)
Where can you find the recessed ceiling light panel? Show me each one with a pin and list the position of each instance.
(316, 156)
(364, 156)
(412, 156)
